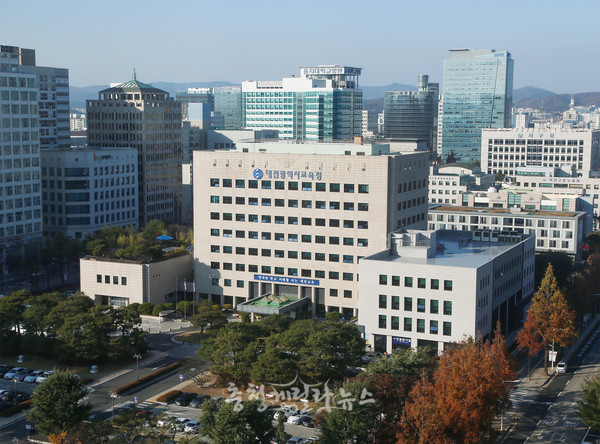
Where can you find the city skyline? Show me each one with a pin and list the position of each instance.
(192, 42)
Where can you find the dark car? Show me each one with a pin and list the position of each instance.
(197, 400)
(9, 395)
(4, 369)
(22, 374)
(185, 398)
(306, 421)
(21, 398)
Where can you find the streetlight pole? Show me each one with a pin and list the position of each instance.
(15, 380)
(137, 365)
(113, 396)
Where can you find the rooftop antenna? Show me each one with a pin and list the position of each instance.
(134, 78)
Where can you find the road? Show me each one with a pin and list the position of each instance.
(550, 415)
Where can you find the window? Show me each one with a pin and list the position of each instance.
(348, 224)
(215, 265)
(307, 204)
(348, 294)
(265, 235)
(266, 202)
(305, 272)
(227, 183)
(349, 206)
(240, 217)
(448, 308)
(293, 203)
(214, 216)
(395, 302)
(253, 251)
(279, 253)
(279, 270)
(292, 271)
(227, 282)
(99, 278)
(408, 281)
(334, 257)
(240, 234)
(292, 237)
(293, 186)
(435, 284)
(240, 267)
(320, 204)
(306, 221)
(306, 186)
(214, 281)
(320, 274)
(334, 240)
(253, 201)
(363, 224)
(348, 259)
(292, 220)
(279, 219)
(214, 182)
(361, 242)
(334, 222)
(306, 255)
(407, 304)
(240, 250)
(319, 256)
(240, 183)
(363, 206)
(227, 266)
(421, 282)
(448, 285)
(333, 292)
(214, 232)
(227, 216)
(382, 301)
(320, 187)
(348, 241)
(334, 187)
(279, 185)
(227, 199)
(395, 323)
(266, 219)
(320, 222)
(266, 269)
(334, 205)
(434, 306)
(363, 188)
(382, 321)
(320, 239)
(348, 188)
(447, 329)
(239, 284)
(266, 184)
(227, 249)
(334, 275)
(383, 279)
(253, 268)
(253, 183)
(306, 238)
(407, 324)
(280, 202)
(214, 199)
(396, 281)
(348, 276)
(421, 305)
(265, 252)
(433, 327)
(420, 325)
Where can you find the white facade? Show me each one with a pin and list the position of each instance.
(294, 219)
(562, 231)
(85, 190)
(121, 282)
(505, 150)
(448, 183)
(436, 287)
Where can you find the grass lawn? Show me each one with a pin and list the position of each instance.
(195, 337)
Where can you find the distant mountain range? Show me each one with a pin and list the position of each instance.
(526, 97)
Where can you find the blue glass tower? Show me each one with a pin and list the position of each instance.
(478, 87)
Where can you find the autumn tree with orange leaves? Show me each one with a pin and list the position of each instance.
(469, 389)
(549, 319)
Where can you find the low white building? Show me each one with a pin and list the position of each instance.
(121, 282)
(446, 184)
(432, 288)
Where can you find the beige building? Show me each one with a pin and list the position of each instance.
(121, 282)
(293, 219)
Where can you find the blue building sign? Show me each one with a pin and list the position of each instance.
(290, 174)
(285, 280)
(401, 340)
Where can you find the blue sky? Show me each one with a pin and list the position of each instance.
(555, 45)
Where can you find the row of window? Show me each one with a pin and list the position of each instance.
(291, 237)
(506, 221)
(292, 203)
(305, 255)
(434, 284)
(291, 220)
(408, 325)
(267, 269)
(434, 304)
(292, 186)
(107, 280)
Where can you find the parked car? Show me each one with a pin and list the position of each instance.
(185, 398)
(4, 369)
(166, 420)
(296, 440)
(44, 376)
(22, 374)
(198, 400)
(286, 410)
(181, 423)
(561, 367)
(12, 372)
(31, 377)
(192, 427)
(21, 398)
(9, 395)
(306, 421)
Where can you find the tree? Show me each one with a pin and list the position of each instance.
(129, 426)
(549, 319)
(57, 406)
(232, 425)
(206, 316)
(280, 434)
(352, 418)
(421, 419)
(589, 407)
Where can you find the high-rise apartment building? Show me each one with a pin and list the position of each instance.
(412, 115)
(478, 87)
(137, 115)
(53, 97)
(228, 107)
(293, 220)
(20, 193)
(323, 104)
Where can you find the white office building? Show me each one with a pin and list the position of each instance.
(293, 219)
(85, 190)
(432, 288)
(323, 104)
(505, 150)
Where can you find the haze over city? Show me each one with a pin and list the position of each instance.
(553, 45)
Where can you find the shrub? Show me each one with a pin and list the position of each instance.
(144, 379)
(134, 306)
(169, 306)
(169, 396)
(9, 411)
(145, 308)
(157, 309)
(227, 307)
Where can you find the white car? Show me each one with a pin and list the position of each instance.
(166, 421)
(43, 377)
(182, 423)
(286, 410)
(192, 427)
(294, 419)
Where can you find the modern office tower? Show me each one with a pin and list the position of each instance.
(412, 115)
(323, 104)
(20, 193)
(478, 88)
(433, 288)
(228, 107)
(85, 190)
(293, 220)
(137, 115)
(53, 97)
(194, 95)
(505, 150)
(369, 123)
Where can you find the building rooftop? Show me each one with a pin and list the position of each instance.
(508, 211)
(133, 86)
(452, 248)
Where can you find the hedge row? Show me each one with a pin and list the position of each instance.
(147, 378)
(9, 411)
(169, 396)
